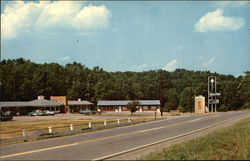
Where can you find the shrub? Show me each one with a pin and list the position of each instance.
(166, 108)
(223, 108)
(246, 106)
(132, 106)
(181, 109)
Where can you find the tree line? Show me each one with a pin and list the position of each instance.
(24, 80)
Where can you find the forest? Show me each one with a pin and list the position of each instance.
(24, 80)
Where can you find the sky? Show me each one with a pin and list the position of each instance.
(130, 36)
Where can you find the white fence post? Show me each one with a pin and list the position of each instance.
(50, 129)
(24, 132)
(90, 124)
(105, 123)
(129, 120)
(118, 121)
(71, 127)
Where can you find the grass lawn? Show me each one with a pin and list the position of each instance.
(231, 143)
(13, 129)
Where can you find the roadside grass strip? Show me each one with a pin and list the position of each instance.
(60, 127)
(231, 143)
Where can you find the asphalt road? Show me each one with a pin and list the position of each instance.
(98, 144)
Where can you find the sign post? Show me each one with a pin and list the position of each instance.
(212, 94)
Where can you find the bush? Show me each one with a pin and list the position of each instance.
(132, 106)
(181, 109)
(246, 106)
(166, 109)
(223, 108)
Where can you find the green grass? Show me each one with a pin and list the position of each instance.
(231, 143)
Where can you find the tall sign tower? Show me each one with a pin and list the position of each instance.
(212, 101)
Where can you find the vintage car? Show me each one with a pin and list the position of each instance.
(35, 113)
(47, 112)
(85, 111)
(41, 113)
(6, 116)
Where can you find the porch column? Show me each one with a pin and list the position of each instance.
(140, 108)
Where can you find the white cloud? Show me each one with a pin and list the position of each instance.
(232, 4)
(19, 17)
(178, 48)
(65, 58)
(171, 66)
(208, 63)
(138, 67)
(200, 57)
(215, 21)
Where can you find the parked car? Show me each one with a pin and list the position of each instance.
(47, 112)
(41, 113)
(85, 111)
(6, 116)
(56, 112)
(35, 113)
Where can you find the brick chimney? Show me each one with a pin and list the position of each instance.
(62, 99)
(41, 97)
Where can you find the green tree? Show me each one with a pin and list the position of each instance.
(187, 99)
(231, 96)
(76, 91)
(172, 99)
(104, 88)
(137, 91)
(244, 89)
(132, 106)
(23, 80)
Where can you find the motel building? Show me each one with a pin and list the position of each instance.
(76, 106)
(57, 104)
(72, 106)
(121, 105)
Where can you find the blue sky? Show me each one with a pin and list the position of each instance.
(130, 36)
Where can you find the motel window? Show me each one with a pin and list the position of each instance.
(153, 107)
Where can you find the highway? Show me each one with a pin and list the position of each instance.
(97, 145)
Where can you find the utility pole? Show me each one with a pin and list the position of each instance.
(161, 92)
(14, 89)
(0, 81)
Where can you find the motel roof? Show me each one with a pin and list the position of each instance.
(34, 103)
(126, 102)
(79, 103)
(44, 103)
(41, 103)
(14, 104)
